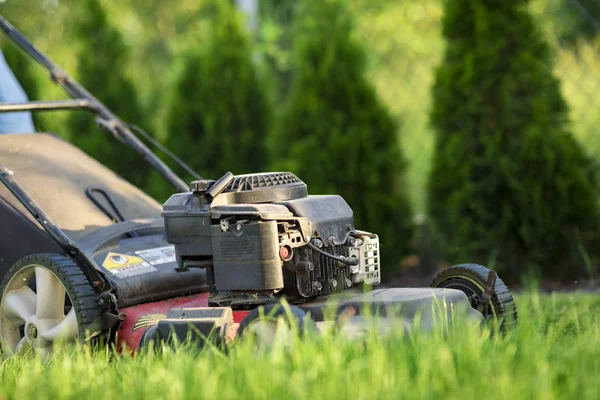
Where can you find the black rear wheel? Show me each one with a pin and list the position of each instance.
(46, 299)
(486, 292)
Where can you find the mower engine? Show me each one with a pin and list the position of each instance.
(261, 236)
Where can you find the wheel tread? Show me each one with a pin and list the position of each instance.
(502, 298)
(79, 288)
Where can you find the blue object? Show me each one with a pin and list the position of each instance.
(12, 92)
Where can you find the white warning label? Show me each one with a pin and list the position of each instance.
(125, 265)
(159, 255)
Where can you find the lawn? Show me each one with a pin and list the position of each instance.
(554, 353)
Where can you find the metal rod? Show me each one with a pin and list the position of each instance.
(106, 118)
(48, 106)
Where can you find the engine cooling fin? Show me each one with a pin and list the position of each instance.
(265, 187)
(244, 183)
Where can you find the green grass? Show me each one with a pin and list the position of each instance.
(555, 353)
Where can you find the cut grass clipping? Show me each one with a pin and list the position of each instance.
(554, 353)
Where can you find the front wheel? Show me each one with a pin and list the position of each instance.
(486, 292)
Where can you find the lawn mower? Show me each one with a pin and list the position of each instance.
(86, 255)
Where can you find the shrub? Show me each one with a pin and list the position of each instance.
(509, 184)
(102, 70)
(336, 134)
(275, 41)
(219, 112)
(574, 19)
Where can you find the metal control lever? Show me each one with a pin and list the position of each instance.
(218, 186)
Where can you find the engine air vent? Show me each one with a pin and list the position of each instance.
(244, 183)
(263, 188)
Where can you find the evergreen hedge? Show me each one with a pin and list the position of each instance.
(577, 20)
(334, 132)
(220, 112)
(509, 186)
(102, 70)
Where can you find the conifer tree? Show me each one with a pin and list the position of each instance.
(334, 132)
(102, 70)
(509, 185)
(219, 112)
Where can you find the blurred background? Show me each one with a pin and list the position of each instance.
(459, 131)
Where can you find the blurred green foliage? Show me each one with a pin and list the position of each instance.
(336, 134)
(509, 185)
(580, 19)
(102, 59)
(401, 40)
(220, 114)
(404, 45)
(275, 42)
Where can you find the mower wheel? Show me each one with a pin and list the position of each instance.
(487, 293)
(46, 299)
(273, 321)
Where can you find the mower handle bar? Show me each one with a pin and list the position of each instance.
(106, 118)
(48, 106)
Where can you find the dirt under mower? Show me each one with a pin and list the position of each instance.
(85, 254)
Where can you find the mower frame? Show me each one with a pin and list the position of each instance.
(81, 99)
(135, 317)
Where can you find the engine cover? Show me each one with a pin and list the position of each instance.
(285, 242)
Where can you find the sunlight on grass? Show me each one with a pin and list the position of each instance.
(555, 353)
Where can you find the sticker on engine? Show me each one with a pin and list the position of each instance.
(159, 255)
(125, 265)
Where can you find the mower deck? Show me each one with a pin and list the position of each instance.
(83, 253)
(422, 309)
